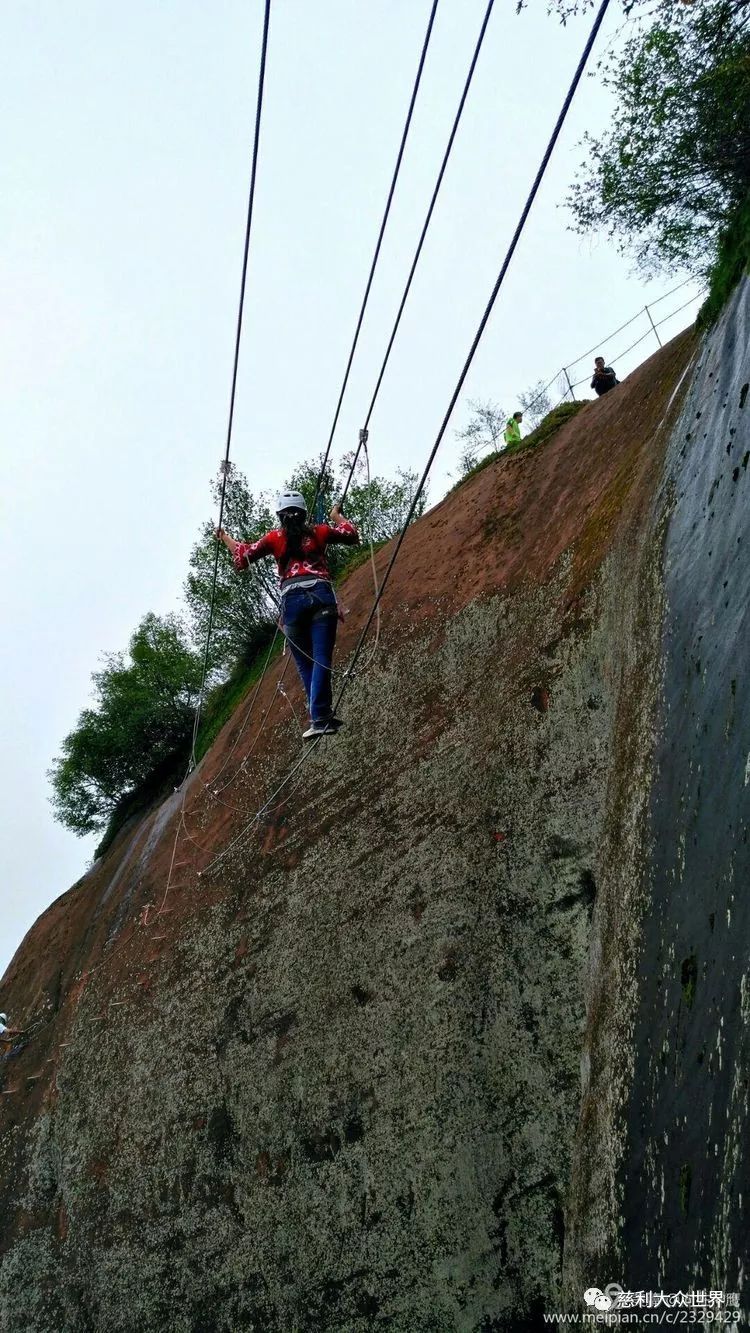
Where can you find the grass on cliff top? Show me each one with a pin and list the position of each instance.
(224, 698)
(544, 431)
(732, 263)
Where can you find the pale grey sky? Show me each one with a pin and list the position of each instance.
(127, 134)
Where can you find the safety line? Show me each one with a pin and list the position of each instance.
(376, 255)
(345, 671)
(225, 466)
(235, 367)
(488, 311)
(446, 419)
(405, 295)
(355, 340)
(630, 321)
(606, 338)
(649, 332)
(672, 291)
(680, 308)
(617, 357)
(425, 228)
(529, 406)
(371, 275)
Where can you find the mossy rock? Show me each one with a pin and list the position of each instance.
(543, 432)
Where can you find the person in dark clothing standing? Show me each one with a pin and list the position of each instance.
(604, 377)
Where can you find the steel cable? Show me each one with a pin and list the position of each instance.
(376, 255)
(420, 243)
(444, 425)
(236, 362)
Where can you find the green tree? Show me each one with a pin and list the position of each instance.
(378, 506)
(244, 607)
(672, 170)
(142, 720)
(484, 430)
(535, 403)
(318, 490)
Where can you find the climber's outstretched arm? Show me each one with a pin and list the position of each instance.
(229, 542)
(341, 530)
(244, 553)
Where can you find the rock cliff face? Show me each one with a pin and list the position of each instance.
(663, 1141)
(337, 1082)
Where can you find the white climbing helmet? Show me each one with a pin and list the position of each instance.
(290, 500)
(3, 1018)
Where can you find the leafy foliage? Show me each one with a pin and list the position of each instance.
(142, 718)
(305, 479)
(484, 430)
(377, 506)
(674, 169)
(732, 261)
(243, 607)
(535, 403)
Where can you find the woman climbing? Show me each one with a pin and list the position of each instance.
(309, 612)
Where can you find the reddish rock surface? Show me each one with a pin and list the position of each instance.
(337, 1069)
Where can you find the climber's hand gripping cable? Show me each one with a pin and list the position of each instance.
(229, 542)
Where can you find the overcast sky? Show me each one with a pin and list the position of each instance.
(127, 135)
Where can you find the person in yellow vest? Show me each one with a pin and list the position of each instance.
(513, 429)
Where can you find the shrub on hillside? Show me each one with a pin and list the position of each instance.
(142, 720)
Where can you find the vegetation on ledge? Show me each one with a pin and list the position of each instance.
(547, 427)
(732, 263)
(225, 697)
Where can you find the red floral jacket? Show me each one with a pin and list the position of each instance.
(312, 561)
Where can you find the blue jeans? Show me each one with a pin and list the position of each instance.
(310, 619)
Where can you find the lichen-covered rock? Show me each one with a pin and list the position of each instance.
(665, 1118)
(326, 1074)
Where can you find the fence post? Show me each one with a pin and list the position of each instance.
(653, 326)
(570, 386)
